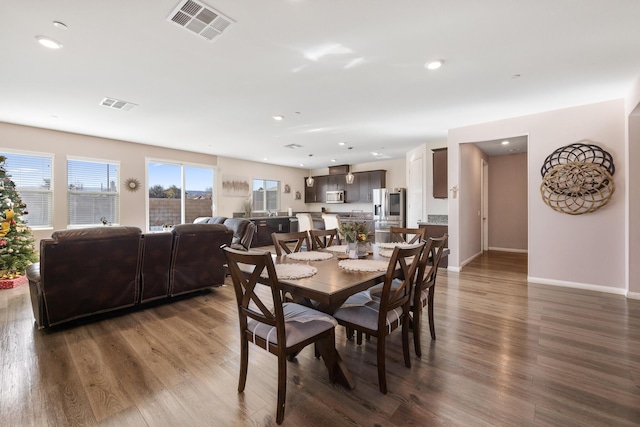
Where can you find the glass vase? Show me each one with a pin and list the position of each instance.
(361, 249)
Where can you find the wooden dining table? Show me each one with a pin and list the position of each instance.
(329, 288)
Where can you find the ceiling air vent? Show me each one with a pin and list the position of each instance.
(200, 19)
(293, 146)
(117, 104)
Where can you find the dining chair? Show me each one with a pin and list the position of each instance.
(332, 221)
(262, 320)
(380, 317)
(283, 242)
(305, 221)
(406, 235)
(320, 239)
(424, 288)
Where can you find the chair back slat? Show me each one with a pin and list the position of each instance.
(320, 239)
(282, 242)
(401, 234)
(408, 259)
(428, 268)
(245, 269)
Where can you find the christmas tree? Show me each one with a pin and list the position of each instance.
(17, 249)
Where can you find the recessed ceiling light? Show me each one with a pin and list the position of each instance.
(48, 42)
(60, 25)
(505, 142)
(434, 65)
(265, 158)
(375, 154)
(333, 160)
(278, 118)
(301, 164)
(342, 143)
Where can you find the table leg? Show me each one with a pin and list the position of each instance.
(334, 362)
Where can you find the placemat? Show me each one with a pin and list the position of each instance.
(309, 256)
(363, 265)
(337, 248)
(292, 271)
(393, 245)
(388, 253)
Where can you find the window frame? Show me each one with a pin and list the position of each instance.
(50, 192)
(117, 193)
(183, 189)
(265, 192)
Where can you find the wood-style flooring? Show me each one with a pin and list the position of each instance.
(507, 353)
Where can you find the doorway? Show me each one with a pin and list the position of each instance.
(503, 194)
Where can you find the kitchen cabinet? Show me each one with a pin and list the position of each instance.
(440, 187)
(266, 226)
(358, 192)
(437, 230)
(364, 183)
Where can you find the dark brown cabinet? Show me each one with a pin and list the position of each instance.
(266, 226)
(440, 187)
(358, 192)
(361, 191)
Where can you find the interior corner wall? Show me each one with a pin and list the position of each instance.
(508, 222)
(583, 250)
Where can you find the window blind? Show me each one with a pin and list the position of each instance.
(32, 177)
(93, 192)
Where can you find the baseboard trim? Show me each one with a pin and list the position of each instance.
(520, 251)
(468, 260)
(577, 285)
(633, 295)
(454, 269)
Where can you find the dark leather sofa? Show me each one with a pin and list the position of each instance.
(96, 270)
(243, 229)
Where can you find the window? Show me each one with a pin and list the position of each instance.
(265, 195)
(168, 203)
(93, 192)
(32, 177)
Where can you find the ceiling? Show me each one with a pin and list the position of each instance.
(506, 145)
(338, 71)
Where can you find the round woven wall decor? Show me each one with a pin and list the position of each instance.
(578, 152)
(577, 188)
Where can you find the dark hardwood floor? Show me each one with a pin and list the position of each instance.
(508, 353)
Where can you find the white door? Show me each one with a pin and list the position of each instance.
(415, 196)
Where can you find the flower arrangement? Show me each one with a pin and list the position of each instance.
(354, 232)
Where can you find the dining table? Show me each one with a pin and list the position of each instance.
(331, 285)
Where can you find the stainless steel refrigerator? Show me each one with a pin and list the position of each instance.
(388, 211)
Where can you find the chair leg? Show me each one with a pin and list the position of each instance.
(282, 387)
(405, 340)
(417, 330)
(382, 377)
(432, 326)
(359, 338)
(244, 364)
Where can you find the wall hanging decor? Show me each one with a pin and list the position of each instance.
(577, 179)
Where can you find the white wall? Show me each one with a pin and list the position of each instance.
(632, 116)
(294, 177)
(508, 222)
(132, 158)
(583, 251)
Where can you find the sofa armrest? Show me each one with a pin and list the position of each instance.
(37, 298)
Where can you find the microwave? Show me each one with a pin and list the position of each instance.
(335, 196)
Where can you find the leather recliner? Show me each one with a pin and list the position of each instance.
(85, 272)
